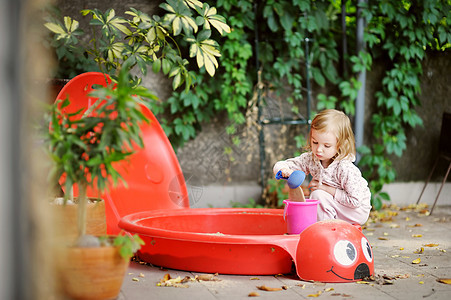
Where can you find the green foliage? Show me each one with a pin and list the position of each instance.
(277, 186)
(378, 171)
(140, 39)
(128, 245)
(229, 91)
(66, 39)
(404, 31)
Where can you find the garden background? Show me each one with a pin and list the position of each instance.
(215, 126)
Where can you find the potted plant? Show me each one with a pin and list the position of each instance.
(84, 148)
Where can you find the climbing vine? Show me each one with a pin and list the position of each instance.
(401, 32)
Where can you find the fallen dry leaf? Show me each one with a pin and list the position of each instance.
(382, 238)
(329, 289)
(207, 277)
(301, 285)
(343, 295)
(419, 251)
(403, 276)
(253, 294)
(268, 289)
(417, 235)
(141, 275)
(416, 261)
(381, 280)
(135, 279)
(431, 245)
(174, 282)
(444, 280)
(254, 278)
(421, 282)
(186, 279)
(315, 295)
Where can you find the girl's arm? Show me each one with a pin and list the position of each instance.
(292, 164)
(314, 185)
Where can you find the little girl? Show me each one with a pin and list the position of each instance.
(337, 183)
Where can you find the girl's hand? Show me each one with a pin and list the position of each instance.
(286, 172)
(314, 185)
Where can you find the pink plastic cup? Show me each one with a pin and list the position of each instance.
(299, 215)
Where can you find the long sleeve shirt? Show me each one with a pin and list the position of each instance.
(351, 188)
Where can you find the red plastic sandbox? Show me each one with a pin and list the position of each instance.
(215, 240)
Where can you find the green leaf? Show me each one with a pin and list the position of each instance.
(166, 66)
(318, 77)
(156, 66)
(176, 26)
(54, 28)
(286, 20)
(177, 81)
(384, 196)
(376, 203)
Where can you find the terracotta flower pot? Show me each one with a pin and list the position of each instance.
(92, 273)
(66, 220)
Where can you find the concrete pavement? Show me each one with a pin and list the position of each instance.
(399, 237)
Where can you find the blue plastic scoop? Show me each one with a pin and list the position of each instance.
(295, 180)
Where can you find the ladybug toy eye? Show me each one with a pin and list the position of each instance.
(367, 251)
(345, 252)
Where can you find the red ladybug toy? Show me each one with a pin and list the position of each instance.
(333, 251)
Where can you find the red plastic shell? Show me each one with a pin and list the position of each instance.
(153, 174)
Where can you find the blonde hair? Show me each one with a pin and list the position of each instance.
(336, 122)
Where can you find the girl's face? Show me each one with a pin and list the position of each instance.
(324, 146)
